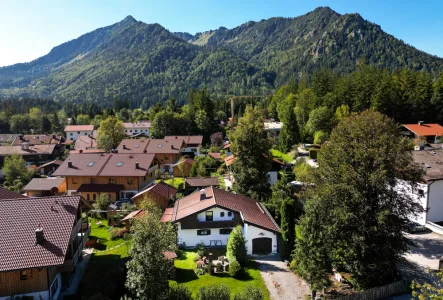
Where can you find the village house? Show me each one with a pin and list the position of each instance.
(208, 216)
(273, 129)
(276, 166)
(167, 152)
(74, 131)
(160, 193)
(140, 128)
(198, 183)
(120, 175)
(50, 167)
(33, 154)
(193, 143)
(183, 167)
(45, 238)
(427, 132)
(86, 142)
(38, 139)
(41, 187)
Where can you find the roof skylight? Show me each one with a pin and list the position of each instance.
(91, 164)
(119, 164)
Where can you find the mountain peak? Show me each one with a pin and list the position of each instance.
(129, 19)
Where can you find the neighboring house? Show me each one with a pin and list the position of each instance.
(42, 241)
(208, 216)
(6, 139)
(273, 129)
(37, 154)
(49, 167)
(183, 168)
(90, 151)
(167, 152)
(193, 143)
(430, 132)
(140, 127)
(227, 148)
(86, 142)
(272, 174)
(215, 155)
(43, 187)
(194, 183)
(38, 139)
(160, 193)
(7, 194)
(119, 175)
(74, 131)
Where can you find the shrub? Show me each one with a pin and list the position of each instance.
(179, 292)
(214, 292)
(234, 269)
(250, 293)
(210, 268)
(236, 247)
(113, 233)
(293, 265)
(219, 267)
(320, 137)
(313, 153)
(201, 250)
(200, 271)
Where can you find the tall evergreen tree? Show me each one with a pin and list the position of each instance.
(289, 134)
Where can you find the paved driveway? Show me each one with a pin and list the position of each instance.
(280, 281)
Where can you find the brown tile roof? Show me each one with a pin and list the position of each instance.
(252, 211)
(7, 194)
(133, 145)
(54, 162)
(229, 160)
(38, 139)
(201, 181)
(159, 146)
(79, 128)
(85, 142)
(160, 189)
(20, 218)
(190, 140)
(431, 160)
(106, 164)
(43, 184)
(33, 150)
(167, 215)
(90, 151)
(215, 155)
(98, 188)
(141, 124)
(425, 129)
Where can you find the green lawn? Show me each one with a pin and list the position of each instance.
(281, 156)
(185, 275)
(101, 232)
(175, 181)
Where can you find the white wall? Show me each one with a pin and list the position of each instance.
(404, 187)
(188, 149)
(435, 204)
(44, 295)
(251, 232)
(201, 217)
(137, 130)
(272, 177)
(190, 237)
(72, 135)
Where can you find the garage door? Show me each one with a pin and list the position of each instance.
(262, 245)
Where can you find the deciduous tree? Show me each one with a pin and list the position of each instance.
(110, 134)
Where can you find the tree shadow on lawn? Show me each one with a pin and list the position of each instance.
(184, 275)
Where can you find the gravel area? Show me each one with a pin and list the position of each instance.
(280, 281)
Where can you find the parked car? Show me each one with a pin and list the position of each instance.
(120, 202)
(415, 227)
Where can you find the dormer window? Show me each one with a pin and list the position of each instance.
(159, 146)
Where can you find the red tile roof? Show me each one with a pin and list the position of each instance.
(141, 124)
(44, 184)
(7, 194)
(252, 211)
(133, 145)
(190, 140)
(215, 155)
(160, 189)
(79, 128)
(201, 181)
(21, 217)
(425, 129)
(188, 161)
(227, 146)
(85, 142)
(229, 160)
(159, 146)
(167, 215)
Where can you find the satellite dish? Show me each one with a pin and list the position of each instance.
(54, 191)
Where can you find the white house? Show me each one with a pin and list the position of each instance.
(208, 216)
(74, 131)
(138, 128)
(193, 143)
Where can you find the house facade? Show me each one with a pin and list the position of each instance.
(138, 128)
(208, 216)
(428, 132)
(74, 131)
(159, 193)
(42, 187)
(33, 154)
(193, 143)
(45, 237)
(119, 175)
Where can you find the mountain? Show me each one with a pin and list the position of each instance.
(146, 63)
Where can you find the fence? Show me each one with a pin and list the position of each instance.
(395, 288)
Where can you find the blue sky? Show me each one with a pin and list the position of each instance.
(29, 29)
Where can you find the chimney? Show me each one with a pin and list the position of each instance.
(420, 123)
(115, 151)
(202, 194)
(39, 236)
(69, 163)
(172, 146)
(137, 165)
(124, 146)
(145, 151)
(80, 151)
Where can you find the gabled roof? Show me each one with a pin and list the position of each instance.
(32, 150)
(136, 125)
(79, 128)
(425, 129)
(133, 145)
(54, 162)
(87, 151)
(194, 140)
(215, 155)
(226, 146)
(83, 165)
(188, 161)
(7, 194)
(201, 181)
(162, 146)
(21, 217)
(85, 142)
(38, 139)
(252, 211)
(229, 160)
(44, 184)
(160, 189)
(431, 160)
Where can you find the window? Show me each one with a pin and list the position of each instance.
(159, 146)
(204, 232)
(94, 197)
(78, 132)
(222, 214)
(136, 146)
(93, 180)
(229, 213)
(130, 181)
(130, 130)
(71, 133)
(166, 157)
(88, 197)
(135, 130)
(119, 164)
(91, 163)
(421, 192)
(24, 275)
(109, 196)
(193, 149)
(209, 216)
(74, 180)
(225, 231)
(111, 180)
